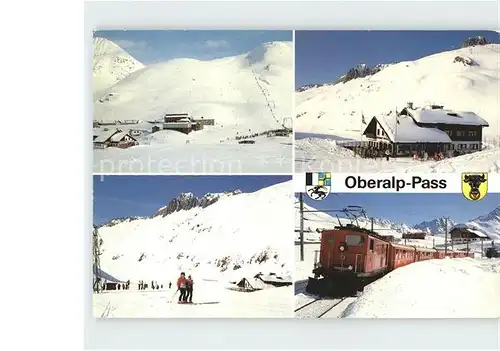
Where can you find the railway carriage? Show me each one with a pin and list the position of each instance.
(424, 254)
(400, 255)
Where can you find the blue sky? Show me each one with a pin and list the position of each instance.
(124, 196)
(323, 56)
(151, 46)
(411, 208)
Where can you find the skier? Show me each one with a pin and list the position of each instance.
(181, 286)
(170, 285)
(387, 154)
(189, 290)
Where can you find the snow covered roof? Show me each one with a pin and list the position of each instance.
(119, 136)
(478, 233)
(406, 131)
(470, 230)
(271, 278)
(429, 115)
(106, 134)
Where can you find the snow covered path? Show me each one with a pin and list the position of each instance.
(267, 155)
(319, 154)
(213, 301)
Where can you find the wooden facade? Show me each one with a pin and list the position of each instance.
(466, 234)
(116, 138)
(464, 137)
(378, 139)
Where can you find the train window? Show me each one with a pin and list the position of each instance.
(354, 240)
(371, 244)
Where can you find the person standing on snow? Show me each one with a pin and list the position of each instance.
(387, 154)
(181, 286)
(189, 290)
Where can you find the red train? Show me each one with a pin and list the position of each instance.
(351, 257)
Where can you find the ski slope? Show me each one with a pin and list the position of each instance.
(317, 154)
(246, 94)
(238, 236)
(211, 299)
(446, 288)
(161, 154)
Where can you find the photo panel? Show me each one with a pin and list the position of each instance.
(196, 101)
(405, 253)
(192, 247)
(397, 101)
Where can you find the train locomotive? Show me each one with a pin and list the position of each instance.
(351, 257)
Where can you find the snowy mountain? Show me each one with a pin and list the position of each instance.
(315, 221)
(436, 226)
(237, 235)
(489, 224)
(110, 65)
(248, 93)
(466, 79)
(187, 201)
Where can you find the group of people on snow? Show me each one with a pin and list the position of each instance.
(142, 285)
(185, 287)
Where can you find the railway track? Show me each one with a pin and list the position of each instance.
(317, 308)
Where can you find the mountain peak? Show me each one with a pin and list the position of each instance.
(187, 201)
(111, 63)
(436, 226)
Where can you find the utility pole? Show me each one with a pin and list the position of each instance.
(96, 262)
(301, 227)
(445, 236)
(371, 225)
(482, 247)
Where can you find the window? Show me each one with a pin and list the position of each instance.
(472, 133)
(354, 240)
(449, 132)
(371, 244)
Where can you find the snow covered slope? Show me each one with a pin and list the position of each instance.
(110, 65)
(318, 154)
(467, 288)
(464, 79)
(245, 94)
(233, 236)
